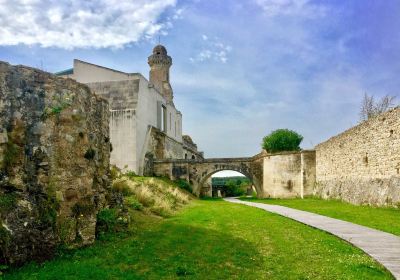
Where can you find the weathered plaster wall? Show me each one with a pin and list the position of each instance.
(362, 165)
(290, 174)
(54, 163)
(123, 139)
(123, 98)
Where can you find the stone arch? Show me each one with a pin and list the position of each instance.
(242, 168)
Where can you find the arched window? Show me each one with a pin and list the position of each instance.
(193, 157)
(185, 156)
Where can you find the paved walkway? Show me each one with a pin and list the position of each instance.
(383, 247)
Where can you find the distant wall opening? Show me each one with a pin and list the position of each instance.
(229, 183)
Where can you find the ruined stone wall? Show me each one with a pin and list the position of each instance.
(164, 147)
(54, 163)
(362, 165)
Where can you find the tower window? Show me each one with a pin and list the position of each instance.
(164, 118)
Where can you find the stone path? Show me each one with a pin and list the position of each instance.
(383, 247)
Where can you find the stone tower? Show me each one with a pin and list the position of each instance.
(160, 62)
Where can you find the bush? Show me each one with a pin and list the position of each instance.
(234, 188)
(282, 140)
(183, 184)
(110, 220)
(133, 203)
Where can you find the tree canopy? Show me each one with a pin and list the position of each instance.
(282, 140)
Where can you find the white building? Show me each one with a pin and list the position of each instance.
(144, 122)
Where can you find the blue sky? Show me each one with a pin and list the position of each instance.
(240, 68)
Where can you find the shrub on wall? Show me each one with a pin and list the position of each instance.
(282, 140)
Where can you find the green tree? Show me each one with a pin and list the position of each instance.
(233, 188)
(281, 140)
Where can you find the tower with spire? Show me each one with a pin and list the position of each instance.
(160, 63)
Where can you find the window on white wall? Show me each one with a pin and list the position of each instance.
(170, 121)
(175, 129)
(164, 118)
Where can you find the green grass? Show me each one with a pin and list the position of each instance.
(213, 239)
(385, 219)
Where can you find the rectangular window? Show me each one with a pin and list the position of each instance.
(175, 129)
(164, 118)
(170, 121)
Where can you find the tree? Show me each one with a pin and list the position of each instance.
(281, 140)
(370, 107)
(233, 188)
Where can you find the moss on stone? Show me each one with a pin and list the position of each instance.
(11, 153)
(5, 237)
(7, 202)
(48, 211)
(54, 110)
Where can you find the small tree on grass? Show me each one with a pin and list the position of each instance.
(282, 140)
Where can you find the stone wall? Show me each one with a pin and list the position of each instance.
(54, 163)
(362, 165)
(289, 174)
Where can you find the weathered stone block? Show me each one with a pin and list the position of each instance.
(47, 125)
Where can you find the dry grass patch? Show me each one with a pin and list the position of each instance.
(153, 195)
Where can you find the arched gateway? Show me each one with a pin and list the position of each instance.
(197, 172)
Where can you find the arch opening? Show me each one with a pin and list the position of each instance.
(228, 183)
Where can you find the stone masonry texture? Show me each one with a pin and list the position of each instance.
(54, 163)
(362, 165)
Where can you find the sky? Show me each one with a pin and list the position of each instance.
(241, 69)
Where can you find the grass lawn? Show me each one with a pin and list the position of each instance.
(213, 239)
(385, 219)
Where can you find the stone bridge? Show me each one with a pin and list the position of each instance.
(280, 175)
(198, 172)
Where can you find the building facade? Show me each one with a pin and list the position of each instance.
(144, 122)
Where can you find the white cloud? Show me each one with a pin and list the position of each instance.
(291, 7)
(76, 23)
(212, 49)
(178, 14)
